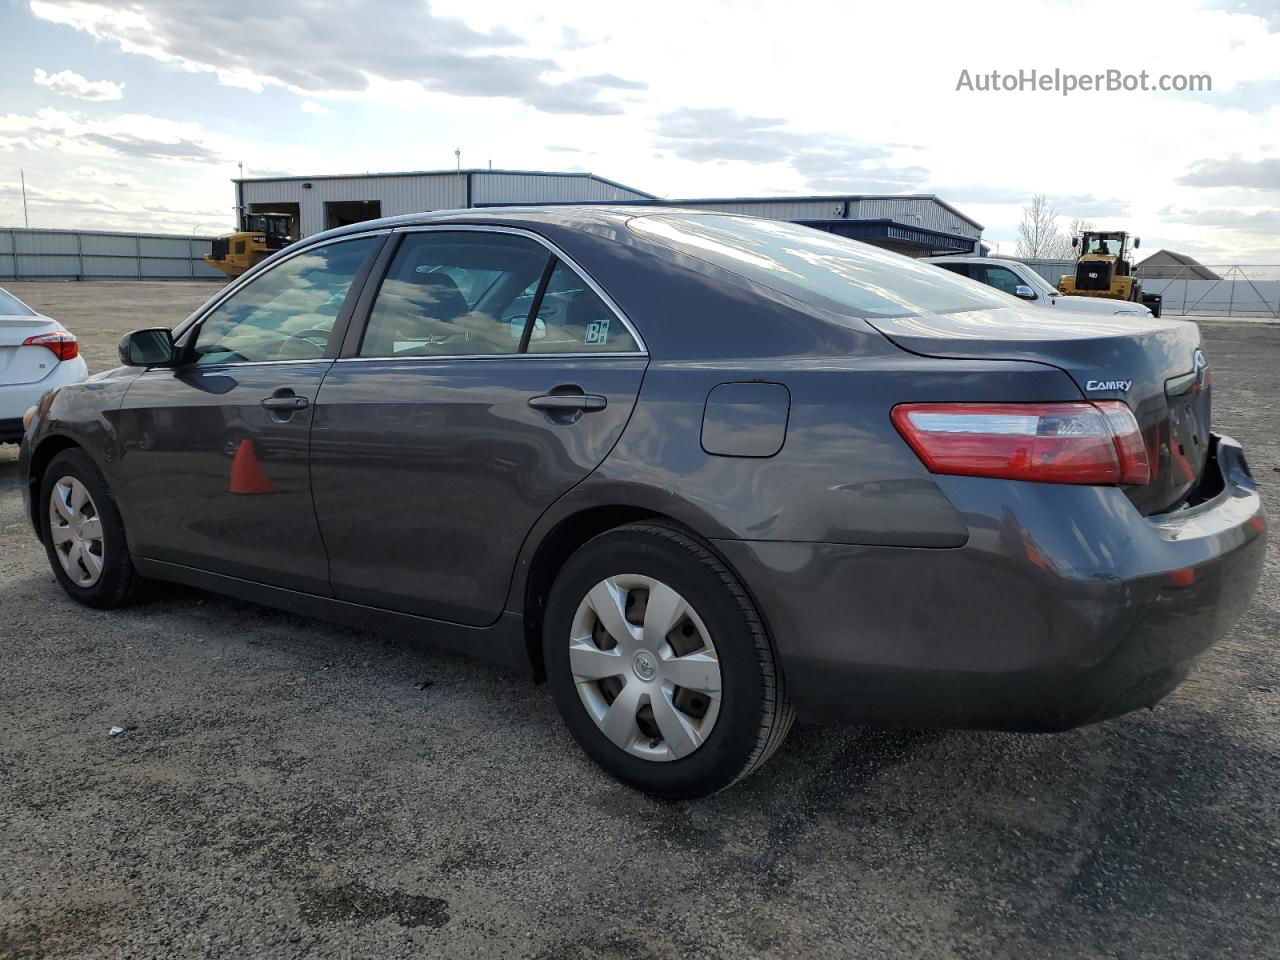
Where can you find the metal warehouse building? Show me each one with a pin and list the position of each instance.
(917, 225)
(322, 203)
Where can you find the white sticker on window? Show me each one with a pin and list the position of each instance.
(597, 331)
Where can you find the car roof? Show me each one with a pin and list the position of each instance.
(560, 215)
(962, 259)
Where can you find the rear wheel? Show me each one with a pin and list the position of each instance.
(83, 534)
(660, 665)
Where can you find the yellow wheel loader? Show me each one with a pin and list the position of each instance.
(262, 234)
(1105, 270)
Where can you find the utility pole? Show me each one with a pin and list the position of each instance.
(240, 163)
(26, 221)
(457, 155)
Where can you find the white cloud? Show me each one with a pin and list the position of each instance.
(310, 106)
(740, 100)
(1234, 172)
(134, 136)
(322, 46)
(71, 84)
(108, 178)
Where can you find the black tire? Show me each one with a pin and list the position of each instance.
(754, 713)
(118, 582)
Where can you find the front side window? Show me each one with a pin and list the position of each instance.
(289, 312)
(454, 294)
(1003, 279)
(815, 267)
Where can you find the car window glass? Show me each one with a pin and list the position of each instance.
(288, 312)
(1002, 278)
(11, 306)
(472, 284)
(454, 294)
(960, 268)
(815, 267)
(573, 319)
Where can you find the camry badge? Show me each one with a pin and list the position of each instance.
(1121, 385)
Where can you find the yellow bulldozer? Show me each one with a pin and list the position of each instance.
(1105, 270)
(261, 235)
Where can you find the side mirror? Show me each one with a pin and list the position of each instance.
(1075, 242)
(147, 348)
(1024, 292)
(1137, 242)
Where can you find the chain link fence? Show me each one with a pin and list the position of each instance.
(1199, 289)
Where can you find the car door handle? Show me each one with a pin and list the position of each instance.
(568, 402)
(285, 403)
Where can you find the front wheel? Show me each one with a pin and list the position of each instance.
(83, 533)
(660, 665)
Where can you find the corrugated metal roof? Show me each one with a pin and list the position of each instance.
(452, 173)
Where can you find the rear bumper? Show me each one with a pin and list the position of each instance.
(16, 398)
(1065, 607)
(10, 429)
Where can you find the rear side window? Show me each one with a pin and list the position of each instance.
(11, 306)
(815, 267)
(573, 319)
(454, 294)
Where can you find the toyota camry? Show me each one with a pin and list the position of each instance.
(704, 474)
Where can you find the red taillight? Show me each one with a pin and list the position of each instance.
(64, 345)
(1093, 443)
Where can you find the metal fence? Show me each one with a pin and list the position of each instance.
(1202, 289)
(100, 255)
(1236, 290)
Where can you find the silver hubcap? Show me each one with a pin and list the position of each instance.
(645, 667)
(76, 530)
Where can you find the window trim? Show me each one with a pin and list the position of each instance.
(184, 333)
(364, 307)
(531, 318)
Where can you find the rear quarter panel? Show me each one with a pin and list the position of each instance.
(843, 474)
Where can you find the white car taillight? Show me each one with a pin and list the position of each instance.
(63, 344)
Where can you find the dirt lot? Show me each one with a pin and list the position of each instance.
(286, 788)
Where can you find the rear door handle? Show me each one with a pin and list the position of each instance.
(285, 403)
(568, 402)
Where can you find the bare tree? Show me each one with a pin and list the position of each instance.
(1064, 249)
(1038, 234)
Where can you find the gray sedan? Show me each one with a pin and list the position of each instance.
(704, 474)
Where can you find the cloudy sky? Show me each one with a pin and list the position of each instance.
(134, 115)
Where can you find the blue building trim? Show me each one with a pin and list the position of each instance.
(871, 231)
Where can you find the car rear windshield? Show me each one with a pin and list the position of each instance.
(818, 267)
(11, 306)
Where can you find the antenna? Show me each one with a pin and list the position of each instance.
(240, 164)
(457, 155)
(23, 177)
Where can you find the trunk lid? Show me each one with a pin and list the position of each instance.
(19, 364)
(1156, 366)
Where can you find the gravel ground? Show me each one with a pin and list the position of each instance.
(285, 788)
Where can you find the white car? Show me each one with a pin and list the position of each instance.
(36, 354)
(1018, 280)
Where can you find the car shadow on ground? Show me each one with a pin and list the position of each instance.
(1037, 841)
